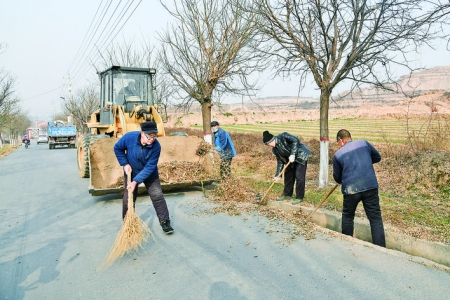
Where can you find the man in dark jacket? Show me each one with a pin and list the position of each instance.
(288, 148)
(353, 168)
(139, 153)
(225, 147)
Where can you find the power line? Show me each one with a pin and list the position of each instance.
(84, 69)
(85, 36)
(92, 36)
(45, 93)
(100, 48)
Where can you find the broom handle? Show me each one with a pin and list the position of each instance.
(323, 200)
(281, 174)
(130, 193)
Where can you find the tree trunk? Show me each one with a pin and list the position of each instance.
(206, 117)
(324, 138)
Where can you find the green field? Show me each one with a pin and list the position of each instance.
(394, 131)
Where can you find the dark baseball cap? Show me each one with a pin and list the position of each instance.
(149, 127)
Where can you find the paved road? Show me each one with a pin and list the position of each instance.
(54, 235)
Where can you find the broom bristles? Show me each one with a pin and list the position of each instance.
(133, 233)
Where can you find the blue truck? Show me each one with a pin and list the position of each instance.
(61, 134)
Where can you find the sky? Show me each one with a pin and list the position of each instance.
(48, 39)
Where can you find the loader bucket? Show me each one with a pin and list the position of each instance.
(185, 161)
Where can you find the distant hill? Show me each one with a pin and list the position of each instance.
(428, 80)
(419, 83)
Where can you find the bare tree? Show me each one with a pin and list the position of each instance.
(359, 41)
(81, 106)
(208, 52)
(9, 102)
(18, 123)
(164, 92)
(129, 53)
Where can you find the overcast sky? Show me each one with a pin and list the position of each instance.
(45, 39)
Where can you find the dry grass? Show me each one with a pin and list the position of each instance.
(7, 149)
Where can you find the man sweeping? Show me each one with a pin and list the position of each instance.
(138, 153)
(225, 147)
(353, 168)
(288, 148)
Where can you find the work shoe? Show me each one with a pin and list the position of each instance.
(166, 227)
(282, 198)
(297, 201)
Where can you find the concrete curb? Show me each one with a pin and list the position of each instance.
(432, 251)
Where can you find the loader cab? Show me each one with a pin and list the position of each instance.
(125, 86)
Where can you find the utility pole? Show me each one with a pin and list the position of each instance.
(70, 118)
(70, 95)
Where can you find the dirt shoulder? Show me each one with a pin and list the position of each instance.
(7, 149)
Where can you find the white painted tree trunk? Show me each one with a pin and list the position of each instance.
(208, 138)
(323, 165)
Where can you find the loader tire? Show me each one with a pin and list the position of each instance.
(83, 155)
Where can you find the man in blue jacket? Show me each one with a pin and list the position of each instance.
(288, 148)
(353, 168)
(138, 152)
(225, 147)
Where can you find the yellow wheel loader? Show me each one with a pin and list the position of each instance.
(126, 100)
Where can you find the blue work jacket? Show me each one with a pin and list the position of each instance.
(142, 159)
(353, 167)
(223, 144)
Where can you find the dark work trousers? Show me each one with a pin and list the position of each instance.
(153, 187)
(371, 203)
(295, 173)
(225, 167)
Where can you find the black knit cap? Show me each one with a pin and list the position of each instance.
(214, 123)
(149, 127)
(267, 137)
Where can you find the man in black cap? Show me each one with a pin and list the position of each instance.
(139, 153)
(225, 147)
(288, 148)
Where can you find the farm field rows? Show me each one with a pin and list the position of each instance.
(374, 130)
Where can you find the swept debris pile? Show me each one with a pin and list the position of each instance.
(179, 171)
(236, 196)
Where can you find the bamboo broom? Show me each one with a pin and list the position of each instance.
(133, 233)
(268, 190)
(323, 200)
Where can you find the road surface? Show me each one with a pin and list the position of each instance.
(55, 235)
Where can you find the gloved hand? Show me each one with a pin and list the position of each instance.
(291, 158)
(276, 179)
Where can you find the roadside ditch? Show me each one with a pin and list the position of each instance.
(438, 253)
